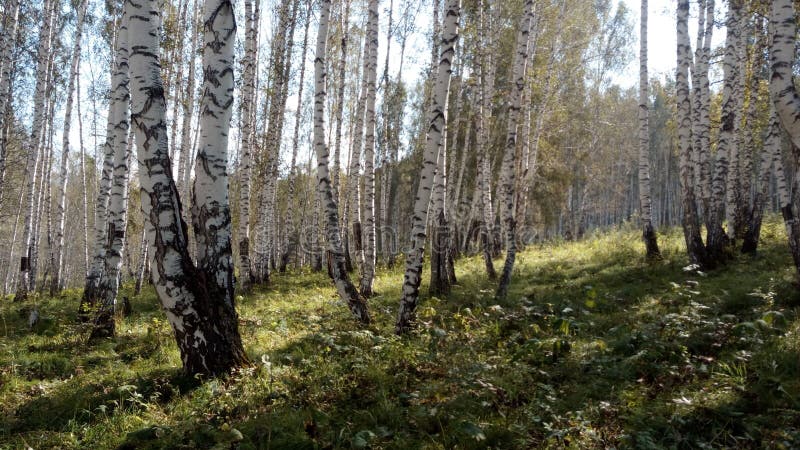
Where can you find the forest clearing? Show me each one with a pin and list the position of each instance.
(593, 348)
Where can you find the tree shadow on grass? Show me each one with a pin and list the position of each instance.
(79, 401)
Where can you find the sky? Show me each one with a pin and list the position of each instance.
(661, 50)
(661, 45)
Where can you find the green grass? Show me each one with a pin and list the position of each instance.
(593, 348)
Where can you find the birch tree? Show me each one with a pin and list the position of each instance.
(58, 257)
(648, 233)
(292, 182)
(347, 291)
(370, 77)
(690, 222)
(701, 128)
(771, 164)
(436, 121)
(787, 105)
(483, 133)
(784, 38)
(185, 158)
(8, 37)
(198, 301)
(108, 285)
(717, 238)
(29, 236)
(247, 138)
(508, 174)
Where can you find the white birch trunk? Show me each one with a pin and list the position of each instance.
(185, 157)
(247, 139)
(370, 77)
(703, 128)
(782, 54)
(353, 184)
(691, 224)
(33, 149)
(292, 182)
(95, 273)
(648, 233)
(339, 111)
(717, 238)
(108, 286)
(787, 105)
(84, 189)
(347, 291)
(200, 313)
(509, 155)
(65, 148)
(441, 90)
(7, 45)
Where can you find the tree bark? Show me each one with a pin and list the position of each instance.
(24, 282)
(108, 286)
(347, 291)
(771, 162)
(55, 285)
(509, 155)
(198, 304)
(371, 66)
(294, 238)
(782, 52)
(246, 278)
(787, 105)
(690, 222)
(648, 232)
(717, 239)
(441, 90)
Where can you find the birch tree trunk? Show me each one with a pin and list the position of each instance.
(787, 105)
(347, 291)
(509, 155)
(354, 203)
(211, 215)
(690, 222)
(441, 261)
(294, 239)
(483, 133)
(717, 239)
(385, 236)
(247, 140)
(101, 204)
(29, 235)
(784, 37)
(339, 112)
(648, 233)
(419, 220)
(733, 192)
(702, 127)
(7, 45)
(55, 285)
(85, 199)
(185, 157)
(140, 269)
(370, 77)
(771, 162)
(198, 302)
(108, 286)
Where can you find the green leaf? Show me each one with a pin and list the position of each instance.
(362, 438)
(473, 431)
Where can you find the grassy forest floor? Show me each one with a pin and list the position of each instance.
(594, 348)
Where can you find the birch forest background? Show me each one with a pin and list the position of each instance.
(399, 224)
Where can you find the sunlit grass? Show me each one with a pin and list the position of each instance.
(594, 347)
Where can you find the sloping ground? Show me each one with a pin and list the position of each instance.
(594, 348)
